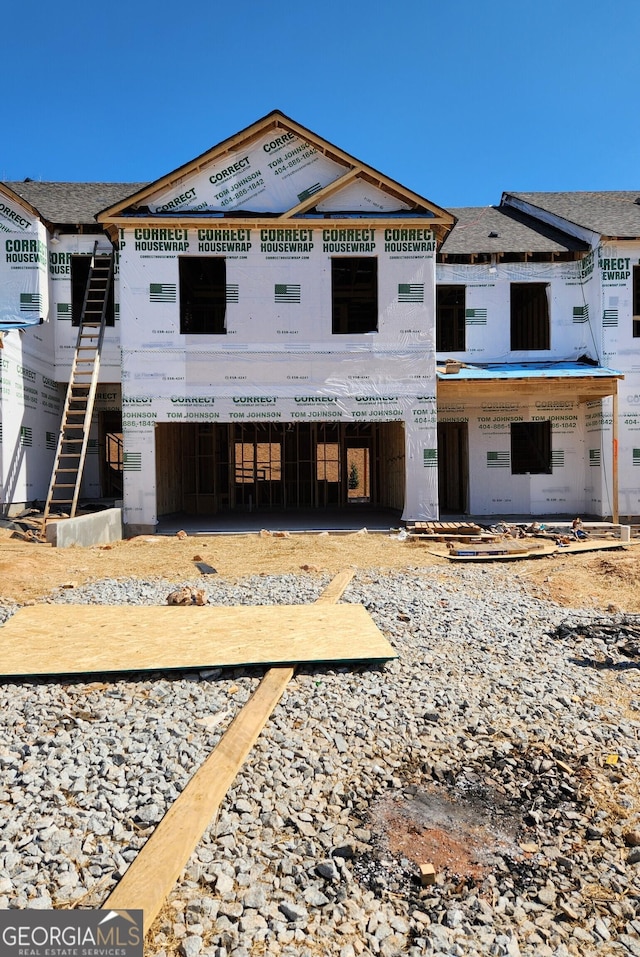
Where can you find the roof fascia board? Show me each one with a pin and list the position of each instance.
(256, 221)
(585, 388)
(558, 222)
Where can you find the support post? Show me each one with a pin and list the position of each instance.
(615, 517)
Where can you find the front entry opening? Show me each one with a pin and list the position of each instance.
(211, 467)
(453, 467)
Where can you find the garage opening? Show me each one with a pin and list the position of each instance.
(204, 468)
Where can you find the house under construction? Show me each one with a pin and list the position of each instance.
(276, 324)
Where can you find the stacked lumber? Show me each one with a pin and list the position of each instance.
(447, 531)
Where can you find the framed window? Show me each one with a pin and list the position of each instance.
(203, 295)
(80, 267)
(531, 448)
(354, 295)
(530, 316)
(636, 302)
(450, 318)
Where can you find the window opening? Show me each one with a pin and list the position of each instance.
(354, 295)
(450, 318)
(529, 316)
(531, 448)
(203, 295)
(80, 268)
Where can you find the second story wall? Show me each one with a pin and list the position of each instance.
(281, 309)
(518, 312)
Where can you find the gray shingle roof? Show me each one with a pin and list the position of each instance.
(502, 229)
(72, 203)
(610, 213)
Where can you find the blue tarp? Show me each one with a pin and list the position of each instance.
(528, 370)
(20, 324)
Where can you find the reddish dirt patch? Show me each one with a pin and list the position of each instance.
(457, 838)
(433, 845)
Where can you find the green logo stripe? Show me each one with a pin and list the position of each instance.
(30, 302)
(305, 194)
(162, 292)
(286, 292)
(132, 462)
(411, 292)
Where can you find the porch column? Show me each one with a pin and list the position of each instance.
(614, 505)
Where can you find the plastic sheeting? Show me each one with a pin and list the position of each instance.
(24, 292)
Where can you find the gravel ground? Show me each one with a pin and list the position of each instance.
(497, 748)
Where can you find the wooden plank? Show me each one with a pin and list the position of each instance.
(151, 876)
(335, 589)
(502, 556)
(78, 639)
(592, 545)
(149, 879)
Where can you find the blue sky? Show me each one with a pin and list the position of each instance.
(456, 100)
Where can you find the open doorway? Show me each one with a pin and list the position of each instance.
(453, 467)
(112, 457)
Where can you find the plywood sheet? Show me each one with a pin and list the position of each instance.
(79, 639)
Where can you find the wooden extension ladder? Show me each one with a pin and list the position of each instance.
(75, 425)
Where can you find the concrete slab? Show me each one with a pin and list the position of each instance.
(99, 528)
(349, 519)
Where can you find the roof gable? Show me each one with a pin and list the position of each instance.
(279, 169)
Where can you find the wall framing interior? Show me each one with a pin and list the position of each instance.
(208, 467)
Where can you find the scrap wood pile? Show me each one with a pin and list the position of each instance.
(467, 540)
(447, 531)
